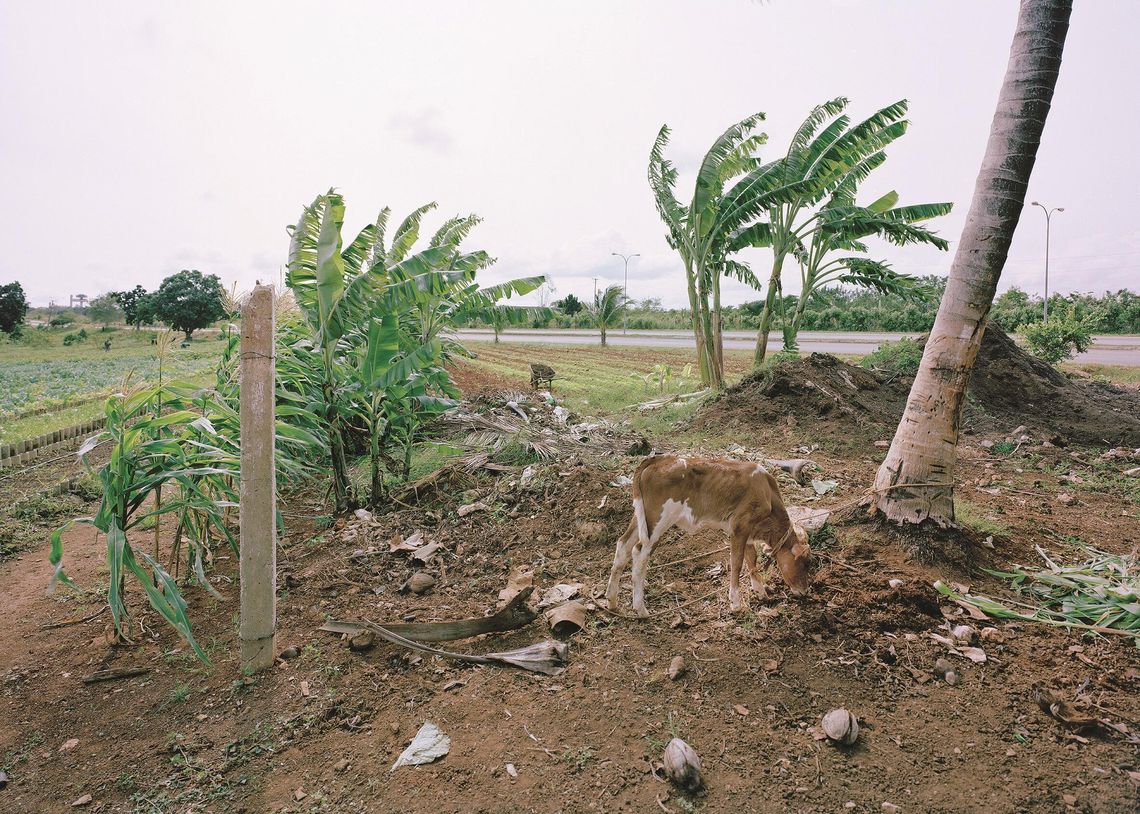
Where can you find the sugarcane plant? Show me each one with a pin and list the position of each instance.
(156, 439)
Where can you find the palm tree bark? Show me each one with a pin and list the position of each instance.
(916, 481)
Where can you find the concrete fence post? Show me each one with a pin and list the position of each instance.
(258, 491)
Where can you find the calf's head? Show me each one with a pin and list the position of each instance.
(792, 560)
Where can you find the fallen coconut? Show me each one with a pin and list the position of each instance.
(420, 582)
(840, 726)
(682, 765)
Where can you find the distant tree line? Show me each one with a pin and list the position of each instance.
(842, 308)
(185, 301)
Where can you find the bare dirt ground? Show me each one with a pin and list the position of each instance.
(321, 730)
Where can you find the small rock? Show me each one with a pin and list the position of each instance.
(363, 514)
(1019, 431)
(741, 710)
(305, 689)
(895, 583)
(340, 765)
(640, 447)
(3, 780)
(289, 653)
(1064, 498)
(82, 801)
(677, 667)
(965, 633)
(992, 634)
(942, 667)
(299, 795)
(1132, 473)
(849, 804)
(364, 640)
(69, 744)
(987, 444)
(951, 678)
(890, 808)
(881, 445)
(512, 771)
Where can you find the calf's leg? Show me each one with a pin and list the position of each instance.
(735, 560)
(622, 554)
(750, 561)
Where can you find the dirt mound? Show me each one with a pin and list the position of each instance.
(829, 395)
(1008, 382)
(1009, 387)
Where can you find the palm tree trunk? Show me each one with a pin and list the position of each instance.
(916, 481)
(769, 307)
(603, 329)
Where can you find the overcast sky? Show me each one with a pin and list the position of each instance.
(140, 138)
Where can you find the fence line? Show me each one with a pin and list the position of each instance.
(22, 452)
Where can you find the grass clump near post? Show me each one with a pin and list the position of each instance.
(1101, 594)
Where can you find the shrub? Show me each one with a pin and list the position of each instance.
(1059, 338)
(903, 357)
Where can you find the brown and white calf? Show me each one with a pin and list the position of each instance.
(739, 497)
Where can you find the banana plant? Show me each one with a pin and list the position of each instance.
(734, 190)
(843, 226)
(826, 156)
(338, 289)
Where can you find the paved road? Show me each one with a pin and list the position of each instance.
(1106, 350)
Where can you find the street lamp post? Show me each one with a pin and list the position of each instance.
(625, 288)
(1048, 218)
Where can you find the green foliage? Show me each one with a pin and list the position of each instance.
(569, 305)
(62, 320)
(1099, 593)
(66, 377)
(13, 307)
(607, 309)
(1063, 335)
(158, 436)
(376, 325)
(188, 300)
(903, 356)
(104, 310)
(136, 304)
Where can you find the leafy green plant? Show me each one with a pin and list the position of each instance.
(1102, 594)
(156, 438)
(378, 318)
(902, 357)
(1059, 338)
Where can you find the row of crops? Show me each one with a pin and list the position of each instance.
(26, 386)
